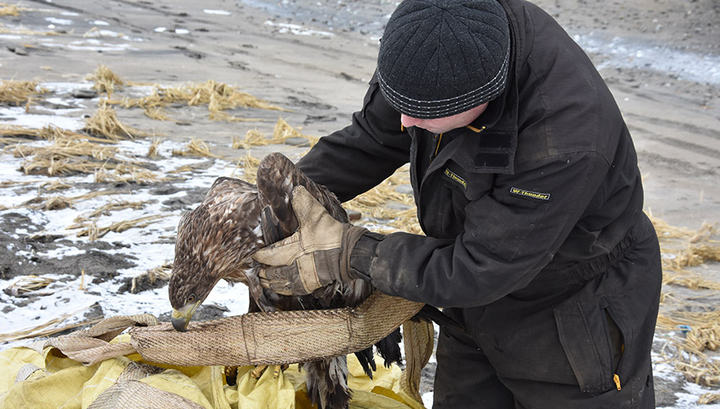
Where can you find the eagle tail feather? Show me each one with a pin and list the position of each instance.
(367, 361)
(389, 348)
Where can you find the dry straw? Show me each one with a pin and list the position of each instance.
(682, 249)
(688, 279)
(281, 133)
(49, 132)
(217, 96)
(61, 202)
(23, 31)
(158, 273)
(9, 10)
(127, 174)
(28, 284)
(688, 354)
(195, 147)
(707, 398)
(105, 80)
(67, 148)
(113, 205)
(19, 92)
(154, 149)
(42, 330)
(56, 184)
(66, 156)
(157, 113)
(384, 202)
(106, 123)
(53, 167)
(249, 165)
(93, 232)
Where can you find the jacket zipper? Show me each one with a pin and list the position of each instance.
(437, 147)
(616, 378)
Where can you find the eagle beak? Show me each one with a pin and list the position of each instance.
(181, 318)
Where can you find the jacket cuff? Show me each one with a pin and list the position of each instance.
(363, 253)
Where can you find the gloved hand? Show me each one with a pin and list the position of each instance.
(315, 256)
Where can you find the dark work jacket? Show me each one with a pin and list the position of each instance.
(542, 185)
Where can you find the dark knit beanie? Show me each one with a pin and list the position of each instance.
(442, 57)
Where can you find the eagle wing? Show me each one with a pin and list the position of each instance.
(277, 176)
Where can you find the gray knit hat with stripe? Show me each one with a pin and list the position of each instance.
(442, 57)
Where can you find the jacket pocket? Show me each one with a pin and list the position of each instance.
(511, 225)
(594, 341)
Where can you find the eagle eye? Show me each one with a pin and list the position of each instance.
(191, 298)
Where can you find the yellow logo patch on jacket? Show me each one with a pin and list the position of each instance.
(455, 178)
(529, 194)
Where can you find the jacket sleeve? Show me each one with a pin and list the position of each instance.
(360, 156)
(508, 237)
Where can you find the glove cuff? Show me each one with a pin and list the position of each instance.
(351, 235)
(363, 255)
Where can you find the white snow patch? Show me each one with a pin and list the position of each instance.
(285, 28)
(61, 21)
(217, 12)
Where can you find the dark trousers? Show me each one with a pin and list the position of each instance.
(559, 347)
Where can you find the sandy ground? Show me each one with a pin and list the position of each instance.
(661, 59)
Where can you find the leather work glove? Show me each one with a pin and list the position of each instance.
(316, 255)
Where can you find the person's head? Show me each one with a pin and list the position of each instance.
(442, 61)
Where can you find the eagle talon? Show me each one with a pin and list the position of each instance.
(231, 373)
(260, 370)
(279, 368)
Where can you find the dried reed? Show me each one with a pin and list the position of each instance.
(158, 273)
(249, 166)
(702, 332)
(27, 284)
(157, 113)
(56, 184)
(68, 156)
(217, 96)
(9, 10)
(384, 202)
(253, 137)
(121, 175)
(23, 31)
(195, 147)
(60, 202)
(185, 169)
(707, 398)
(217, 115)
(105, 209)
(13, 183)
(52, 167)
(106, 123)
(42, 329)
(105, 79)
(153, 150)
(691, 280)
(67, 148)
(281, 133)
(49, 132)
(93, 232)
(19, 92)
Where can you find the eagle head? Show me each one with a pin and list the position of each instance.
(215, 241)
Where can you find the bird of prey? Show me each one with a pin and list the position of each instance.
(217, 239)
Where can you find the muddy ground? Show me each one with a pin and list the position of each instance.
(661, 59)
